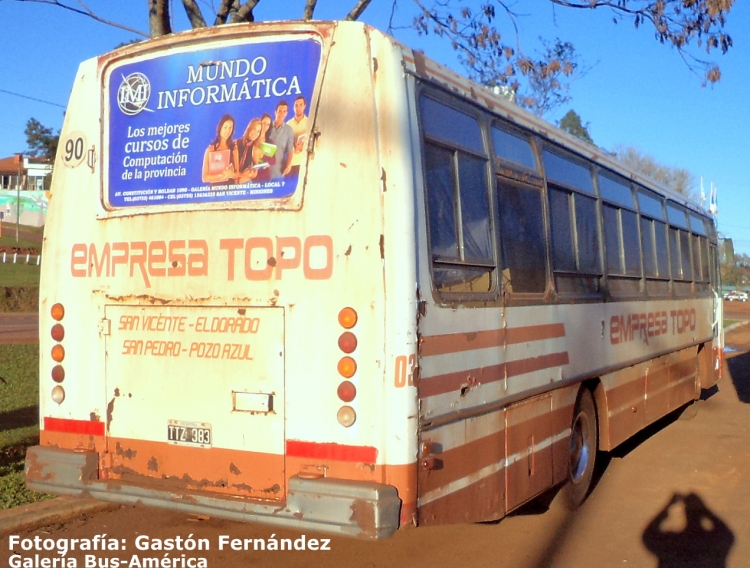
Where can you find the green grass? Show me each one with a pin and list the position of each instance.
(19, 275)
(19, 420)
(9, 240)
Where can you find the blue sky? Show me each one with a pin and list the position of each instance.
(637, 91)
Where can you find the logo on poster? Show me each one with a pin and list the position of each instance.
(133, 94)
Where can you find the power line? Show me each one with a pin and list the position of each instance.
(31, 98)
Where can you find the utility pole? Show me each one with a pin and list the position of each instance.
(18, 194)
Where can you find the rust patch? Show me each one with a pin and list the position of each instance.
(90, 469)
(243, 311)
(128, 454)
(153, 464)
(272, 261)
(382, 246)
(348, 251)
(419, 63)
(383, 179)
(34, 470)
(185, 498)
(234, 469)
(363, 515)
(94, 417)
(110, 411)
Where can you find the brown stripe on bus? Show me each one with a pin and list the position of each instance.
(483, 500)
(450, 382)
(458, 342)
(461, 461)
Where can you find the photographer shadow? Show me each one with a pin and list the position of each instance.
(688, 534)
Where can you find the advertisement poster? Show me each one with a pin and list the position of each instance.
(222, 124)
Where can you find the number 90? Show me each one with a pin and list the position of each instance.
(74, 149)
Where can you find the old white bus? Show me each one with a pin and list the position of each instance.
(299, 274)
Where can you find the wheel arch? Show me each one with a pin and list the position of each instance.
(602, 410)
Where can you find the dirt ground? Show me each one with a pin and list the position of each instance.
(676, 495)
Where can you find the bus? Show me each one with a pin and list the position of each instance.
(299, 274)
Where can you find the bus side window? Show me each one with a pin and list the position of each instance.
(654, 239)
(458, 211)
(522, 237)
(679, 245)
(574, 225)
(621, 235)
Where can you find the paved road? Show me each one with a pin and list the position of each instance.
(19, 327)
(737, 310)
(677, 495)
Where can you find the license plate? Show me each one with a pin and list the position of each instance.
(189, 433)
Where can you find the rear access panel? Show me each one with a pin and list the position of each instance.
(196, 398)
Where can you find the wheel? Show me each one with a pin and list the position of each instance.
(584, 441)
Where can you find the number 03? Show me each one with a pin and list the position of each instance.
(404, 374)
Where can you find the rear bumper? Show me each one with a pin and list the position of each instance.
(339, 506)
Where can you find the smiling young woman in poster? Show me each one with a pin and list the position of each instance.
(220, 161)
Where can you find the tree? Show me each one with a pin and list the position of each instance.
(571, 123)
(41, 141)
(477, 30)
(677, 179)
(495, 60)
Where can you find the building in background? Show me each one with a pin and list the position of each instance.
(22, 195)
(28, 172)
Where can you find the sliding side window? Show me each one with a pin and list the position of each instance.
(457, 199)
(575, 230)
(701, 266)
(679, 249)
(654, 239)
(521, 217)
(621, 239)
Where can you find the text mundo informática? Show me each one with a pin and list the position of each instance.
(241, 80)
(177, 552)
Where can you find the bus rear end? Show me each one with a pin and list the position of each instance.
(213, 306)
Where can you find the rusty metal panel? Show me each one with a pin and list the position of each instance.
(173, 378)
(529, 450)
(358, 509)
(462, 471)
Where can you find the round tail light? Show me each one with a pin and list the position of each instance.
(57, 312)
(346, 391)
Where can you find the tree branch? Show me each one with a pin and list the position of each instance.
(676, 22)
(194, 14)
(357, 10)
(309, 9)
(87, 12)
(223, 13)
(158, 18)
(245, 12)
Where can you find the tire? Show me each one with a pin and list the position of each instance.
(584, 441)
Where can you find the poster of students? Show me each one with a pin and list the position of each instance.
(222, 124)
